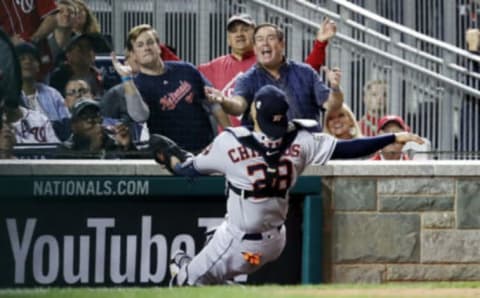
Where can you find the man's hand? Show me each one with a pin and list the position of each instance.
(121, 69)
(122, 135)
(327, 30)
(214, 95)
(404, 137)
(334, 76)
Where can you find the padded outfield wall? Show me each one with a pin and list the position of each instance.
(104, 223)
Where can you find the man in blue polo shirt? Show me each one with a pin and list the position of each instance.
(306, 92)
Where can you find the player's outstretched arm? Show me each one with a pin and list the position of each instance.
(355, 148)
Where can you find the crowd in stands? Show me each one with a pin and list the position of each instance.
(66, 102)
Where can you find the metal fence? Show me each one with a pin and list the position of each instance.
(429, 84)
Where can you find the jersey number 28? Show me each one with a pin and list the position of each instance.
(280, 184)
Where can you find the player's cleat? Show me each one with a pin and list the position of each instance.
(179, 260)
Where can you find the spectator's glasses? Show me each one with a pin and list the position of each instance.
(77, 92)
(91, 117)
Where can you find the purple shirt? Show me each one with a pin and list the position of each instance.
(306, 92)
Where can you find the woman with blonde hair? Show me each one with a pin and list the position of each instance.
(85, 21)
(341, 123)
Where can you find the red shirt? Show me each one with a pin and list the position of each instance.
(167, 54)
(223, 71)
(22, 18)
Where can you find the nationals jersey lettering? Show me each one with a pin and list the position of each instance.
(25, 5)
(170, 100)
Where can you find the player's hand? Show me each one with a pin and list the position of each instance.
(404, 137)
(214, 95)
(160, 158)
(327, 29)
(121, 69)
(334, 76)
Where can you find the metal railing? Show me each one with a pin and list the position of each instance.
(429, 78)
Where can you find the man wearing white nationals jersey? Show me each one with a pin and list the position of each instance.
(260, 167)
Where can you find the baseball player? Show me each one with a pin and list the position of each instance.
(260, 167)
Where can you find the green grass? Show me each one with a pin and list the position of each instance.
(424, 290)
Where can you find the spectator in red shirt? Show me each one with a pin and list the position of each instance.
(27, 20)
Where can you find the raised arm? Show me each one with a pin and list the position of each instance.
(317, 56)
(46, 27)
(335, 98)
(136, 107)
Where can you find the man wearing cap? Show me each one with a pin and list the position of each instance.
(36, 95)
(223, 71)
(90, 138)
(80, 63)
(391, 124)
(260, 167)
(306, 92)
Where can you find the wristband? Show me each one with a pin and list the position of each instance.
(126, 79)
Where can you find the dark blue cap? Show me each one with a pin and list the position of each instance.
(28, 48)
(97, 41)
(82, 104)
(272, 106)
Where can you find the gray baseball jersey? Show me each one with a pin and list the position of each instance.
(253, 233)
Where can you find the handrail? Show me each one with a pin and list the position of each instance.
(371, 49)
(404, 29)
(398, 27)
(413, 66)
